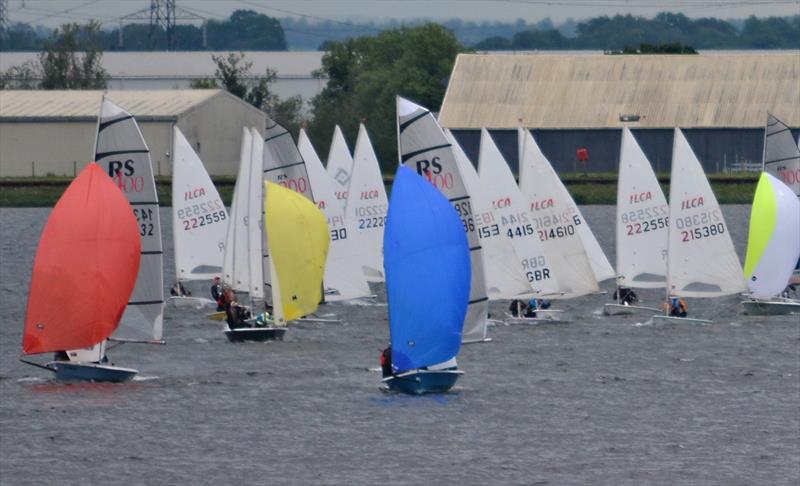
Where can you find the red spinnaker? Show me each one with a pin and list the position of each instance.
(85, 267)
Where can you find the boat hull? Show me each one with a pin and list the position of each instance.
(419, 382)
(770, 308)
(191, 302)
(255, 334)
(76, 371)
(542, 316)
(624, 310)
(662, 319)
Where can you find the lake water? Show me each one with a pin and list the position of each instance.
(600, 400)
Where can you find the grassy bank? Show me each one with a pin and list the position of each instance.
(592, 189)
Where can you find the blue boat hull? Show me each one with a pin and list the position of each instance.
(419, 382)
(75, 371)
(255, 334)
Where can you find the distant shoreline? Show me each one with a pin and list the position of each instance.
(19, 192)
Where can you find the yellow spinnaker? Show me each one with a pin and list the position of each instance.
(298, 239)
(763, 218)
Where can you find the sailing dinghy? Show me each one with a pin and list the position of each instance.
(83, 276)
(120, 150)
(340, 167)
(424, 148)
(424, 244)
(297, 238)
(509, 224)
(344, 279)
(642, 227)
(366, 205)
(697, 236)
(571, 251)
(199, 222)
(773, 224)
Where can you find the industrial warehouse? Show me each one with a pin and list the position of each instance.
(580, 102)
(52, 132)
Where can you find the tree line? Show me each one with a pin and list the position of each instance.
(249, 30)
(625, 31)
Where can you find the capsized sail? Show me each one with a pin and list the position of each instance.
(120, 150)
(424, 245)
(235, 269)
(85, 267)
(199, 218)
(782, 154)
(642, 220)
(556, 220)
(701, 260)
(340, 167)
(367, 205)
(511, 221)
(773, 245)
(424, 148)
(298, 239)
(344, 278)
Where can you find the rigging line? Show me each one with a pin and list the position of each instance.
(65, 11)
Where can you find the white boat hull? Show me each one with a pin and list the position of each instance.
(770, 308)
(662, 319)
(622, 310)
(191, 302)
(542, 316)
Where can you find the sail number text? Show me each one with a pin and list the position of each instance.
(647, 226)
(201, 214)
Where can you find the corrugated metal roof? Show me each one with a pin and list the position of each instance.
(592, 91)
(20, 104)
(188, 64)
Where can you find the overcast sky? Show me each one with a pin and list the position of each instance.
(55, 12)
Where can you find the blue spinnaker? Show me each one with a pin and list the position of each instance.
(427, 265)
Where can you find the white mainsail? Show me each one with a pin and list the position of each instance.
(556, 220)
(510, 226)
(235, 271)
(254, 221)
(343, 276)
(199, 218)
(340, 166)
(366, 205)
(423, 147)
(642, 220)
(781, 154)
(701, 260)
(121, 151)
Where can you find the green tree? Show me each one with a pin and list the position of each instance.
(71, 58)
(365, 74)
(233, 75)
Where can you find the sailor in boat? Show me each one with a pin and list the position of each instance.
(265, 319)
(178, 290)
(517, 308)
(386, 362)
(626, 296)
(235, 313)
(217, 294)
(676, 307)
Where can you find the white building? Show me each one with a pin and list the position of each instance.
(177, 70)
(53, 132)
